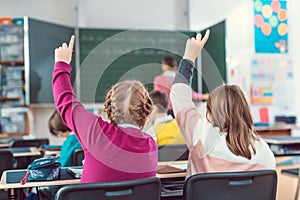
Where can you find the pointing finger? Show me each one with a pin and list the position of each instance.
(206, 36)
(71, 44)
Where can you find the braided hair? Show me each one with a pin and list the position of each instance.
(128, 102)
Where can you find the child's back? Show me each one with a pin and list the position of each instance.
(113, 151)
(225, 140)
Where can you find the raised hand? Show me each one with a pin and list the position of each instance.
(64, 52)
(194, 46)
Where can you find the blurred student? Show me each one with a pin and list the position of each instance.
(59, 129)
(225, 140)
(164, 81)
(163, 127)
(116, 150)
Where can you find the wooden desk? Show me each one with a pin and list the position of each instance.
(286, 185)
(5, 185)
(265, 131)
(282, 140)
(23, 151)
(15, 185)
(284, 145)
(4, 145)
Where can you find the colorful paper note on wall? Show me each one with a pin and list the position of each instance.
(262, 94)
(270, 26)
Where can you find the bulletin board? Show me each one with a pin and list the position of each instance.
(272, 81)
(271, 26)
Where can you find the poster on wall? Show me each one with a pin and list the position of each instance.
(270, 26)
(272, 81)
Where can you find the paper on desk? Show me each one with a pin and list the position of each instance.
(179, 166)
(76, 170)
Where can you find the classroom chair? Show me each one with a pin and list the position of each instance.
(172, 152)
(248, 185)
(77, 157)
(138, 189)
(7, 161)
(23, 162)
(29, 142)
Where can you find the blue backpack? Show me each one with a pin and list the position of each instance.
(43, 169)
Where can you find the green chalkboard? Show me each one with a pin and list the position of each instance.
(213, 58)
(43, 38)
(110, 56)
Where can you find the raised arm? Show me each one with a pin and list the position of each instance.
(73, 113)
(181, 92)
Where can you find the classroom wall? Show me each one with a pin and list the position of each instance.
(205, 13)
(167, 14)
(240, 44)
(56, 11)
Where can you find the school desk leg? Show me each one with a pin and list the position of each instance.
(15, 194)
(11, 194)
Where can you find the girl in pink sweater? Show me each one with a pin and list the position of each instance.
(114, 151)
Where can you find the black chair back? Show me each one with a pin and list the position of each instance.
(77, 157)
(139, 189)
(258, 185)
(29, 142)
(172, 152)
(7, 161)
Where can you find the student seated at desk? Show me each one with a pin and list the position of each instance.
(116, 150)
(161, 126)
(224, 140)
(59, 129)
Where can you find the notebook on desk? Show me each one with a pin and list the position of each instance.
(172, 168)
(75, 172)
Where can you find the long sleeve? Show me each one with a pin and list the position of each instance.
(181, 98)
(83, 123)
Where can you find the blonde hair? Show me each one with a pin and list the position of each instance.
(128, 102)
(230, 112)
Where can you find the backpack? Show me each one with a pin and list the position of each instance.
(43, 169)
